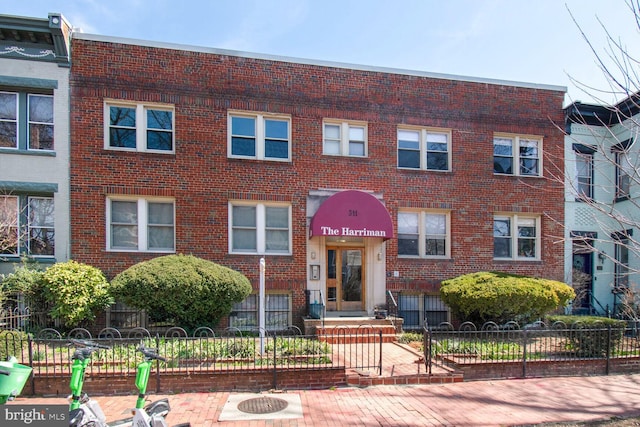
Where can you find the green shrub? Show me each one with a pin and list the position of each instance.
(182, 289)
(589, 336)
(409, 337)
(501, 297)
(76, 292)
(68, 291)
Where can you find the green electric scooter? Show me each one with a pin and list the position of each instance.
(13, 377)
(86, 412)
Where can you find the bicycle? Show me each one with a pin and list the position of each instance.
(13, 377)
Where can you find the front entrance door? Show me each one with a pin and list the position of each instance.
(345, 280)
(582, 276)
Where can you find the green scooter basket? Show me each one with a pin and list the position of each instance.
(11, 385)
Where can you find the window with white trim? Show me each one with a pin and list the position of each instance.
(27, 225)
(41, 226)
(424, 234)
(139, 127)
(624, 170)
(516, 237)
(140, 224)
(345, 139)
(622, 240)
(517, 155)
(584, 172)
(244, 315)
(26, 121)
(426, 149)
(259, 228)
(259, 136)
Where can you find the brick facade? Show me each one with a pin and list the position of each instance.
(204, 85)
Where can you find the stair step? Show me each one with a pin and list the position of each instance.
(357, 339)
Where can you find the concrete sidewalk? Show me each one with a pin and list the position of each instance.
(478, 403)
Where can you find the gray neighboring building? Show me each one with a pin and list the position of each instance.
(34, 139)
(601, 200)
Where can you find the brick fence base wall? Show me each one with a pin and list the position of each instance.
(254, 380)
(555, 368)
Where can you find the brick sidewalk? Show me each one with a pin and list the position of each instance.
(477, 403)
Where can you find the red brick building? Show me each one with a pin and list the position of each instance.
(233, 157)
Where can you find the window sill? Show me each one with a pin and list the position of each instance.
(276, 254)
(400, 168)
(517, 176)
(344, 156)
(136, 151)
(136, 251)
(43, 259)
(43, 153)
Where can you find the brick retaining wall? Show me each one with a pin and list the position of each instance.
(555, 368)
(253, 380)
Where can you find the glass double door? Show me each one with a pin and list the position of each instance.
(345, 279)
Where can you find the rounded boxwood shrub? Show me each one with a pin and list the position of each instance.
(501, 297)
(591, 336)
(181, 289)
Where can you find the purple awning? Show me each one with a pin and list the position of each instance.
(352, 213)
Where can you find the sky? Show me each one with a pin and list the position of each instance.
(533, 41)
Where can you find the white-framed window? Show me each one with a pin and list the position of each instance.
(27, 225)
(259, 136)
(41, 226)
(244, 315)
(516, 237)
(345, 138)
(139, 127)
(624, 169)
(622, 241)
(584, 172)
(424, 234)
(427, 149)
(517, 155)
(140, 224)
(9, 225)
(26, 121)
(259, 228)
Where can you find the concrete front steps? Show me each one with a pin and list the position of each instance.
(353, 329)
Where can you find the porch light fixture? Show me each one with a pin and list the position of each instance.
(602, 256)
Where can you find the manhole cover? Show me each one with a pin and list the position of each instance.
(262, 405)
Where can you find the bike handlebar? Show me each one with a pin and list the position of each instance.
(151, 354)
(88, 344)
(84, 348)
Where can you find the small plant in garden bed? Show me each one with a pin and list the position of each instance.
(413, 339)
(486, 350)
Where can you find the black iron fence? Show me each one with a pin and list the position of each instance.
(49, 352)
(574, 346)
